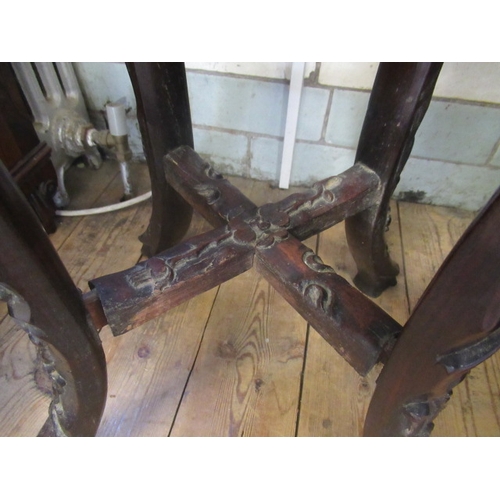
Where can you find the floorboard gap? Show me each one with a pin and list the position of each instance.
(193, 364)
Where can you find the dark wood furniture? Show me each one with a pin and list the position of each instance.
(21, 152)
(455, 326)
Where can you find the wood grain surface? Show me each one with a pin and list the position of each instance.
(428, 235)
(237, 360)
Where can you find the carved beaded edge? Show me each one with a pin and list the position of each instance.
(20, 311)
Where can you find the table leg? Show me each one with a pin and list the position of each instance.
(400, 97)
(44, 301)
(165, 123)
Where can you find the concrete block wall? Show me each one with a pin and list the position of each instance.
(239, 113)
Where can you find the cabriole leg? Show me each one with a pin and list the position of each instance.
(165, 122)
(400, 97)
(455, 326)
(44, 301)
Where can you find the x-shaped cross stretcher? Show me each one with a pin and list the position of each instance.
(268, 237)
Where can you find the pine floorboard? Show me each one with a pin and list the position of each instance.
(236, 360)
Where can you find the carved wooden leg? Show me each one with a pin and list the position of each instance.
(165, 123)
(455, 326)
(400, 97)
(44, 301)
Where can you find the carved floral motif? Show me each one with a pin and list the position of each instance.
(470, 355)
(210, 193)
(211, 173)
(163, 270)
(314, 262)
(20, 311)
(419, 415)
(319, 195)
(318, 295)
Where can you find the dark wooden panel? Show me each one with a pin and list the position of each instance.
(165, 123)
(22, 153)
(455, 326)
(398, 102)
(57, 323)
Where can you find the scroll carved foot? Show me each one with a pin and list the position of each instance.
(20, 311)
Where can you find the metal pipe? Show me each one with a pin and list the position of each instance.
(117, 121)
(125, 174)
(69, 81)
(48, 75)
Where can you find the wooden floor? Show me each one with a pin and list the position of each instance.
(237, 360)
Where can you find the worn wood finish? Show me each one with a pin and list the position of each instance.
(455, 326)
(165, 123)
(151, 368)
(400, 97)
(26, 389)
(85, 245)
(148, 369)
(334, 398)
(307, 213)
(213, 196)
(49, 308)
(246, 380)
(361, 331)
(132, 297)
(164, 281)
(428, 235)
(357, 328)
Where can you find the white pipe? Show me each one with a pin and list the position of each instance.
(292, 116)
(103, 210)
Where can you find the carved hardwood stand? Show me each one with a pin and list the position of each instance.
(454, 327)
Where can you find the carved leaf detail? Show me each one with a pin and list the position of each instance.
(161, 273)
(319, 296)
(244, 235)
(270, 216)
(314, 262)
(321, 194)
(20, 311)
(268, 239)
(210, 193)
(211, 173)
(306, 201)
(420, 414)
(470, 355)
(153, 274)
